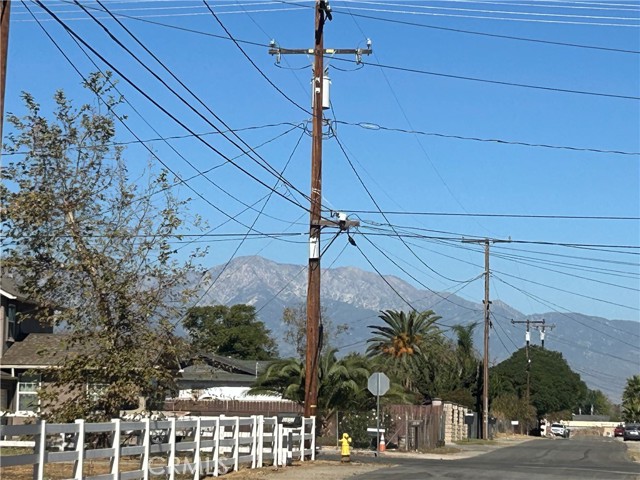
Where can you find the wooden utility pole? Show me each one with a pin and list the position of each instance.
(485, 365)
(487, 327)
(322, 13)
(527, 337)
(313, 287)
(4, 50)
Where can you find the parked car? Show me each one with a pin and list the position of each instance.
(559, 430)
(631, 432)
(619, 431)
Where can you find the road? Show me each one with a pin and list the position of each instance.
(577, 458)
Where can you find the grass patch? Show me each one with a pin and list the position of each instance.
(7, 451)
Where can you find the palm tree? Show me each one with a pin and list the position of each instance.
(403, 339)
(403, 335)
(342, 383)
(466, 357)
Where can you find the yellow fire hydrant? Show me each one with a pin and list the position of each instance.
(345, 449)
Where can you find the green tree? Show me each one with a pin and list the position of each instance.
(553, 385)
(599, 402)
(631, 400)
(230, 331)
(94, 250)
(295, 321)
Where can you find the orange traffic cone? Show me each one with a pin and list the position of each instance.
(382, 446)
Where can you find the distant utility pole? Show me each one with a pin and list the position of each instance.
(487, 325)
(319, 102)
(527, 337)
(4, 50)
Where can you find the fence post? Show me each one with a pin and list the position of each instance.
(115, 460)
(216, 448)
(275, 446)
(313, 438)
(260, 444)
(303, 433)
(78, 465)
(236, 452)
(146, 443)
(196, 459)
(171, 462)
(41, 450)
(254, 444)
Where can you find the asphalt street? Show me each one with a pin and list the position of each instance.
(576, 458)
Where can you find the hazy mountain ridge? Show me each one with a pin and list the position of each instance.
(601, 350)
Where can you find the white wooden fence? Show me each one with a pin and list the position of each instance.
(196, 446)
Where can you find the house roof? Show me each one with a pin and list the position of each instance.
(9, 289)
(37, 350)
(234, 365)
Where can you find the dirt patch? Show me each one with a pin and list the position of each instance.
(633, 450)
(318, 470)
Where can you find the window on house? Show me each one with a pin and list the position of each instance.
(28, 393)
(96, 390)
(11, 321)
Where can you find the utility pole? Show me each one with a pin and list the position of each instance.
(487, 326)
(4, 50)
(322, 13)
(527, 337)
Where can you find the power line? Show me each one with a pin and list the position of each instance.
(455, 237)
(389, 20)
(344, 152)
(552, 305)
(477, 33)
(265, 165)
(501, 215)
(489, 81)
(590, 297)
(385, 280)
(164, 164)
(511, 19)
(420, 8)
(262, 74)
(375, 126)
(163, 109)
(418, 281)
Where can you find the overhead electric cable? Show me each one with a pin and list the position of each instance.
(502, 215)
(265, 165)
(237, 44)
(590, 297)
(552, 305)
(418, 281)
(160, 107)
(151, 151)
(487, 17)
(473, 32)
(344, 152)
(374, 126)
(489, 81)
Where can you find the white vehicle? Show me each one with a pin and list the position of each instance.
(559, 430)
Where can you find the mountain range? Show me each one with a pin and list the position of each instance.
(604, 352)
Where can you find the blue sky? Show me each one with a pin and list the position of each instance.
(419, 174)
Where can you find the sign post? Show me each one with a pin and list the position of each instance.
(378, 385)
